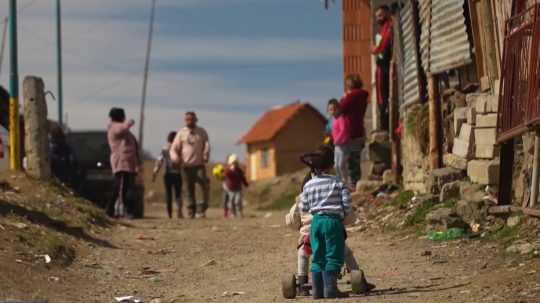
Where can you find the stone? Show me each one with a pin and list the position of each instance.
(492, 103)
(483, 171)
(443, 219)
(458, 99)
(521, 248)
(380, 152)
(466, 132)
(471, 192)
(462, 148)
(486, 151)
(438, 177)
(449, 191)
(388, 177)
(513, 221)
(460, 117)
(472, 211)
(367, 186)
(380, 137)
(485, 136)
(486, 120)
(455, 161)
(471, 115)
(377, 169)
(480, 103)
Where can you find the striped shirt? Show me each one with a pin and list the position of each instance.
(325, 194)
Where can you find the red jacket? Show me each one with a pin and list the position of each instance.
(235, 178)
(353, 108)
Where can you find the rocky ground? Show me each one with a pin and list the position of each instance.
(226, 260)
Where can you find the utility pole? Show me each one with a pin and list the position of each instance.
(59, 62)
(145, 78)
(3, 46)
(14, 134)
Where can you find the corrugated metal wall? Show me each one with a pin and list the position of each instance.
(444, 41)
(410, 87)
(450, 46)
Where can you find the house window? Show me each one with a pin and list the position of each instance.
(265, 158)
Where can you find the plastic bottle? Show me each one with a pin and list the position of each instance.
(450, 234)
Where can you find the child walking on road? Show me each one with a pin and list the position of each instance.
(235, 179)
(172, 177)
(329, 201)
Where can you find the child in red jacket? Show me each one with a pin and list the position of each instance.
(235, 180)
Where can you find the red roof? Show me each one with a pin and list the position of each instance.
(274, 120)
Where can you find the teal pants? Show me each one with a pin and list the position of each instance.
(327, 237)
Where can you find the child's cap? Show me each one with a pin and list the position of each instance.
(233, 158)
(320, 159)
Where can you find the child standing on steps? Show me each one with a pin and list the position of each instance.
(235, 179)
(328, 199)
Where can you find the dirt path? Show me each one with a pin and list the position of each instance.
(200, 260)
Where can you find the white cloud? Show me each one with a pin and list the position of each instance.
(103, 63)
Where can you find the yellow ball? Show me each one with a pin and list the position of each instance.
(218, 171)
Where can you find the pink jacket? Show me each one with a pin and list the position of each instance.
(340, 131)
(191, 147)
(124, 153)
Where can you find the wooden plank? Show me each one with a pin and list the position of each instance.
(435, 137)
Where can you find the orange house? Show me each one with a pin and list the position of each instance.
(276, 141)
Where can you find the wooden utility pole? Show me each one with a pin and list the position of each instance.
(393, 123)
(145, 77)
(59, 62)
(435, 140)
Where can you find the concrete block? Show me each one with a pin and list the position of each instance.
(380, 137)
(492, 103)
(460, 117)
(380, 152)
(471, 115)
(486, 151)
(455, 161)
(466, 132)
(483, 171)
(486, 120)
(485, 136)
(481, 104)
(438, 177)
(462, 148)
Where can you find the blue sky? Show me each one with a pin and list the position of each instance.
(229, 60)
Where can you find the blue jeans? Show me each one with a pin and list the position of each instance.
(341, 156)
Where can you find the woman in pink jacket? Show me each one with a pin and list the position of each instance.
(124, 161)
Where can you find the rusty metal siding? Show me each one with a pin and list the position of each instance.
(424, 12)
(450, 46)
(444, 41)
(410, 86)
(357, 38)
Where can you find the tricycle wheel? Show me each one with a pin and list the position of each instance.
(358, 282)
(288, 286)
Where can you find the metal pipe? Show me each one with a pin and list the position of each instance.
(14, 133)
(59, 62)
(535, 172)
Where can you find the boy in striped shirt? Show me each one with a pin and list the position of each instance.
(328, 199)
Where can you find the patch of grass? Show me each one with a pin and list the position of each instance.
(450, 203)
(402, 199)
(506, 233)
(283, 202)
(419, 215)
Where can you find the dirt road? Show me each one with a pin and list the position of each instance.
(208, 260)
